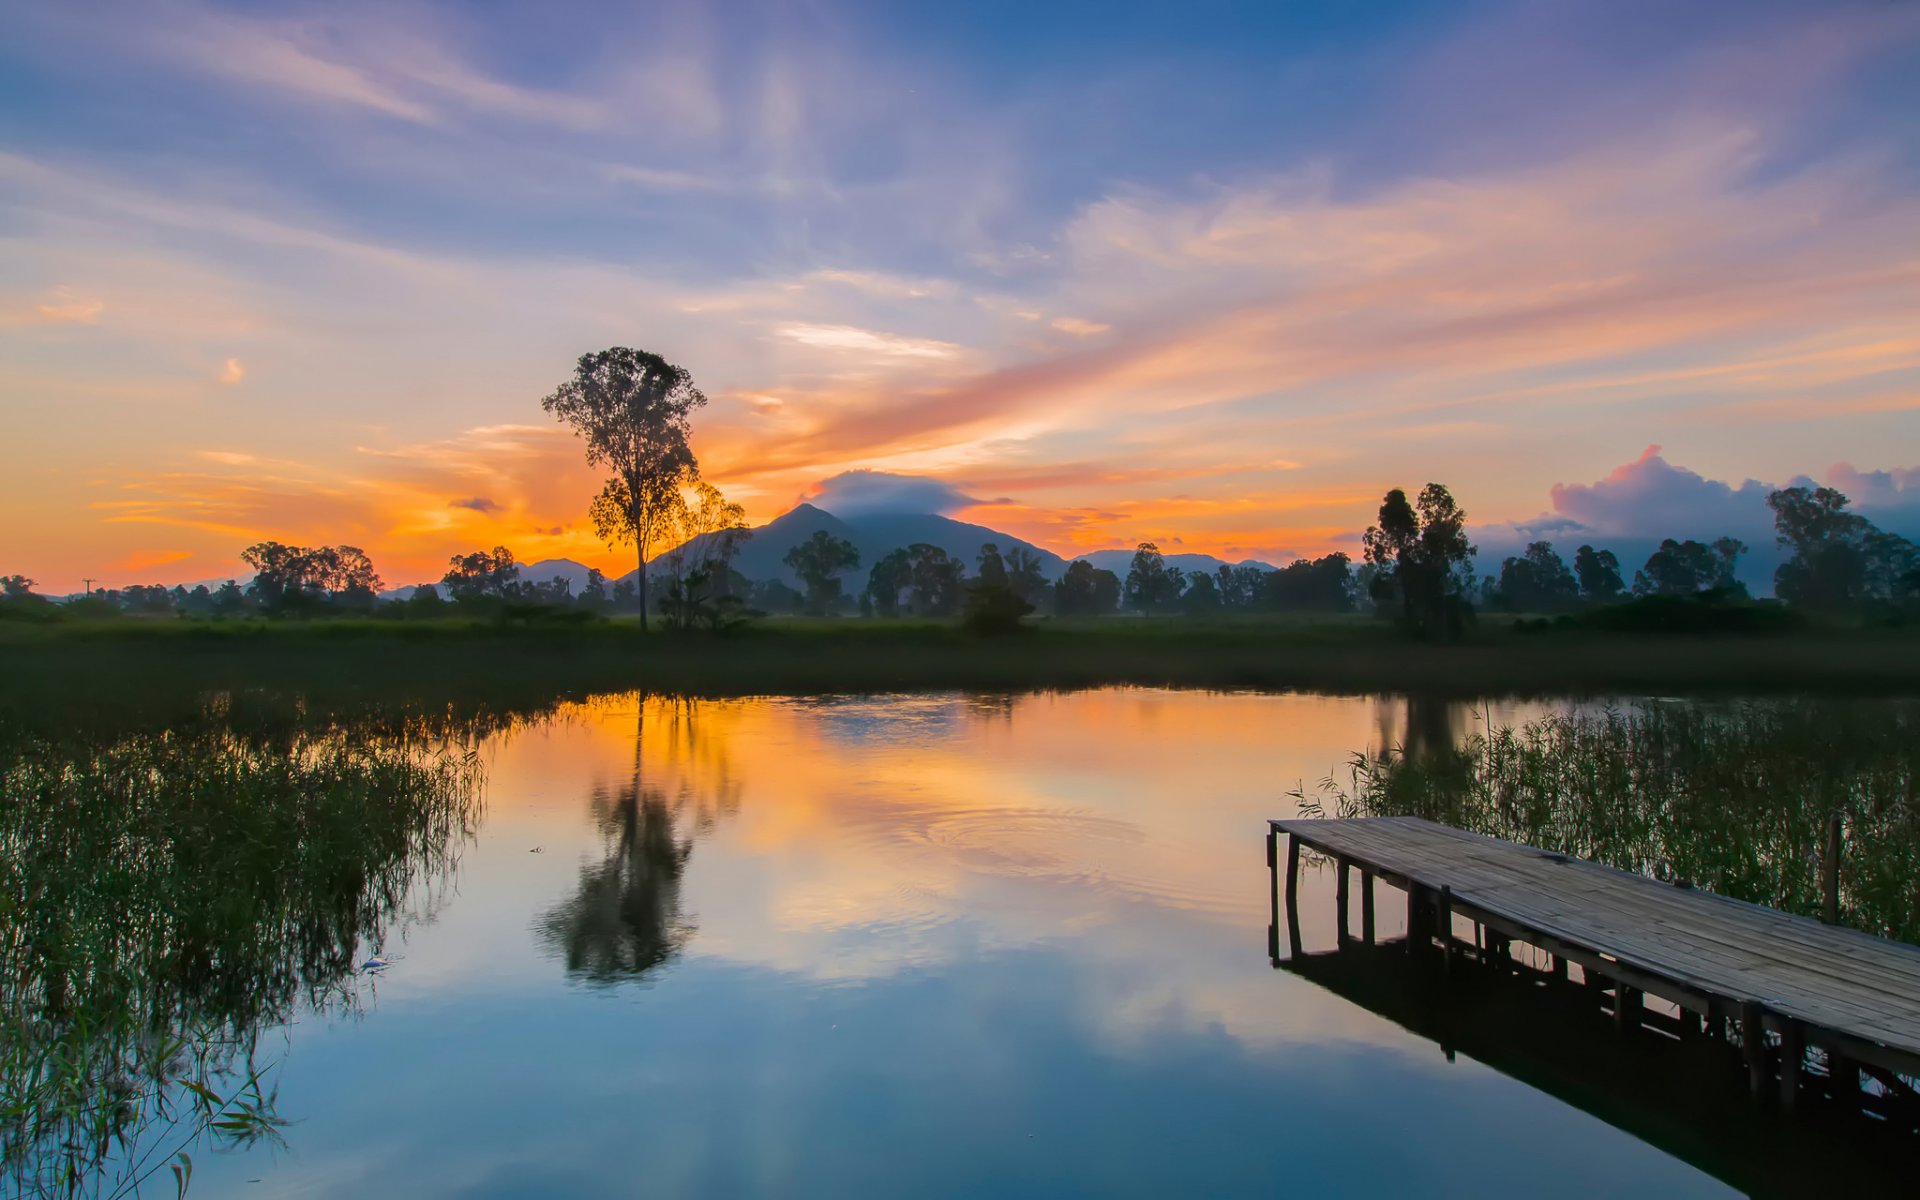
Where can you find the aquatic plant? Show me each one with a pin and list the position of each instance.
(1734, 797)
(165, 898)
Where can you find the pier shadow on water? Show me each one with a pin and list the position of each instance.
(1683, 1093)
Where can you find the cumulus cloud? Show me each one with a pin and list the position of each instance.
(479, 504)
(854, 493)
(1638, 504)
(1652, 496)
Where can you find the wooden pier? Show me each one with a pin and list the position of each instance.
(1775, 983)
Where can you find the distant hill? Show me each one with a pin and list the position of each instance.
(875, 535)
(1121, 561)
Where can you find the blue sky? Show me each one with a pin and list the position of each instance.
(1214, 275)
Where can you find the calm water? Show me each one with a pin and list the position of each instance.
(924, 945)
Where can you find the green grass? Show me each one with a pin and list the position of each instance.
(59, 673)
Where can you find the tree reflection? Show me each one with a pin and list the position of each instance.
(624, 918)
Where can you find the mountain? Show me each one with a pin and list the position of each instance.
(875, 535)
(1121, 561)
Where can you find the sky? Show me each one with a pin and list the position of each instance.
(1214, 276)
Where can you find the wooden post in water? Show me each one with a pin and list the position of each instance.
(1273, 895)
(1342, 874)
(1366, 906)
(1830, 871)
(1793, 1053)
(1626, 1007)
(1293, 896)
(1417, 920)
(1753, 1040)
(1445, 922)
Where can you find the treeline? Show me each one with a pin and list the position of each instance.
(1417, 569)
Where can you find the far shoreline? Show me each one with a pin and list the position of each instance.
(470, 660)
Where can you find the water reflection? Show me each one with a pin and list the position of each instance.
(167, 898)
(929, 926)
(625, 918)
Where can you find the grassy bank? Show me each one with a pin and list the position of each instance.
(115, 664)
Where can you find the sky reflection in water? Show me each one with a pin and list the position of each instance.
(915, 945)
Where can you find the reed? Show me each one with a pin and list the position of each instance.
(165, 897)
(1734, 797)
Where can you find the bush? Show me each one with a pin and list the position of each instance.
(1714, 611)
(993, 608)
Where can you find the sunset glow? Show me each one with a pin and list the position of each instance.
(1215, 280)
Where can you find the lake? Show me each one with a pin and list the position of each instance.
(900, 945)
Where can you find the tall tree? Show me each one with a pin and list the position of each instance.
(708, 532)
(1689, 567)
(482, 574)
(632, 408)
(1421, 555)
(818, 561)
(1025, 575)
(1598, 573)
(890, 577)
(1151, 585)
(1837, 559)
(1538, 582)
(993, 568)
(937, 580)
(1085, 590)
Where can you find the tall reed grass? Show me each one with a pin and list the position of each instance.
(166, 897)
(1734, 797)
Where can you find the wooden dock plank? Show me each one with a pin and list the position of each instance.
(1831, 979)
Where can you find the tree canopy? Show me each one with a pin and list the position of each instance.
(633, 409)
(818, 562)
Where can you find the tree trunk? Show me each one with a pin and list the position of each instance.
(640, 583)
(640, 550)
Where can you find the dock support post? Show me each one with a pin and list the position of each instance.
(1843, 1080)
(1445, 922)
(1560, 968)
(1830, 871)
(1293, 895)
(1366, 906)
(1273, 895)
(1626, 1007)
(1753, 1040)
(1342, 874)
(1793, 1053)
(1418, 918)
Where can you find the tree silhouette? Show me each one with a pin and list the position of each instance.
(936, 580)
(818, 561)
(482, 575)
(1598, 572)
(1687, 568)
(890, 577)
(1085, 590)
(707, 533)
(1025, 575)
(1151, 585)
(1838, 559)
(632, 409)
(1421, 554)
(1538, 582)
